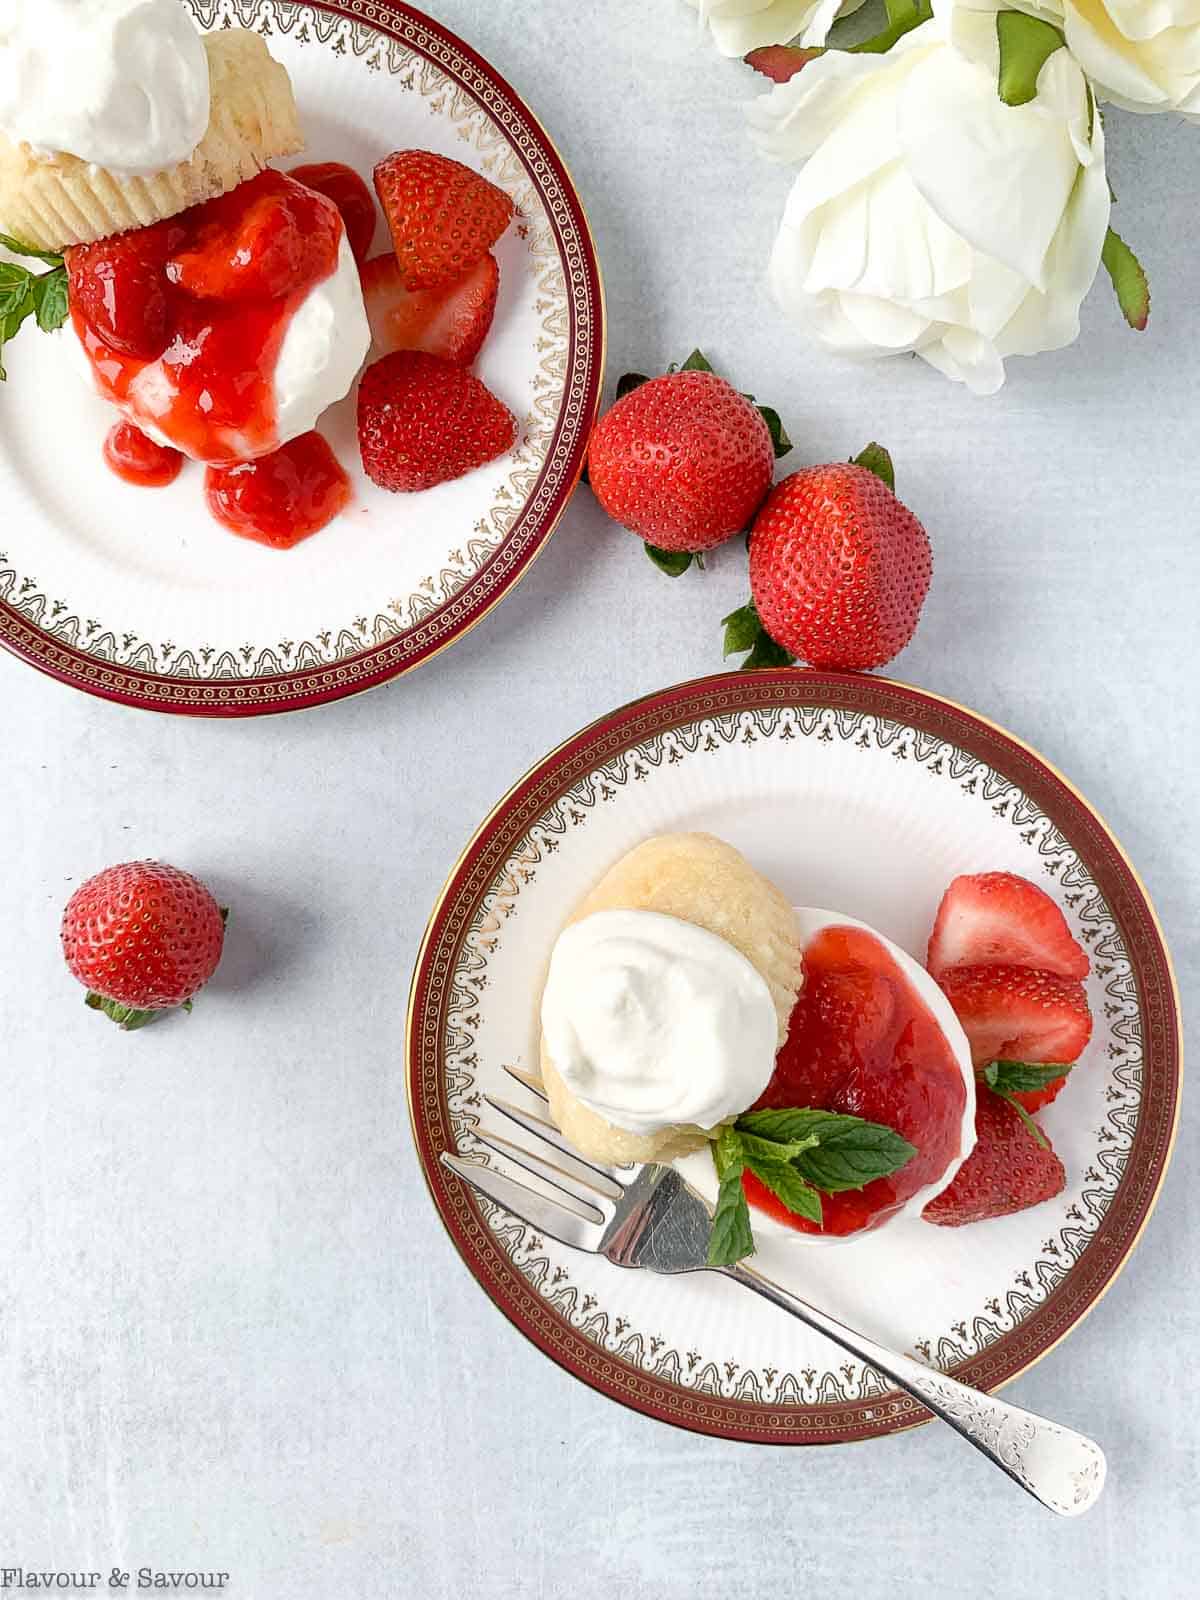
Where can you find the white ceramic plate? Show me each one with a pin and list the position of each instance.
(863, 796)
(140, 596)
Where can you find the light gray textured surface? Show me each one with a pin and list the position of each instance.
(232, 1333)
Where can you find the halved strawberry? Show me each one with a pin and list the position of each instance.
(119, 289)
(997, 919)
(1038, 1099)
(1008, 1170)
(451, 322)
(1015, 1014)
(442, 216)
(422, 421)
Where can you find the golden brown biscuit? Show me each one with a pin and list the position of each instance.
(703, 880)
(253, 120)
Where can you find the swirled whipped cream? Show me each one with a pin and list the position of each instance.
(651, 1021)
(122, 84)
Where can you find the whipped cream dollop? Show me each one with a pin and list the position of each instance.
(651, 1021)
(122, 84)
(325, 344)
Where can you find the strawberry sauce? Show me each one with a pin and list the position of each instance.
(281, 498)
(232, 274)
(140, 460)
(862, 1041)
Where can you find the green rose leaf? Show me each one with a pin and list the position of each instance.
(1128, 279)
(1026, 44)
(903, 17)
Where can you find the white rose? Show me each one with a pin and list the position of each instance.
(740, 26)
(929, 216)
(1143, 55)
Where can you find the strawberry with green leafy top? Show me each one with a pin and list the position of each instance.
(839, 570)
(142, 938)
(683, 461)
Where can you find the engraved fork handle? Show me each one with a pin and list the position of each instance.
(1061, 1468)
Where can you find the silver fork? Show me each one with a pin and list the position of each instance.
(649, 1217)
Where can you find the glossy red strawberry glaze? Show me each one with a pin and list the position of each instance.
(140, 460)
(234, 274)
(862, 1041)
(281, 498)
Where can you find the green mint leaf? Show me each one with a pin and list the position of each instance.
(837, 1151)
(877, 460)
(696, 362)
(15, 286)
(18, 249)
(742, 629)
(1040, 1138)
(880, 43)
(50, 299)
(756, 1148)
(1022, 1077)
(767, 653)
(629, 382)
(672, 562)
(1026, 44)
(126, 1017)
(1128, 280)
(731, 1238)
(780, 442)
(786, 1184)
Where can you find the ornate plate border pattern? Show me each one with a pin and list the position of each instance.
(1076, 1265)
(515, 151)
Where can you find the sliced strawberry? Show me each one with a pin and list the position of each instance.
(350, 195)
(119, 288)
(1007, 1171)
(1015, 1014)
(451, 322)
(997, 919)
(781, 62)
(422, 421)
(442, 216)
(265, 239)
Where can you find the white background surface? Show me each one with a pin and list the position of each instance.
(232, 1333)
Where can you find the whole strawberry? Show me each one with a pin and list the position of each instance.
(422, 421)
(443, 217)
(683, 461)
(839, 568)
(142, 938)
(1012, 1166)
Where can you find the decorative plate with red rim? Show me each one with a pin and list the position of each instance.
(140, 596)
(867, 797)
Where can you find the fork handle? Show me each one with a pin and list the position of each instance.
(1061, 1468)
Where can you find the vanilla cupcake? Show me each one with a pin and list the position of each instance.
(120, 115)
(668, 995)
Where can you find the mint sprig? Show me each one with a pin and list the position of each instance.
(798, 1154)
(25, 293)
(1010, 1078)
